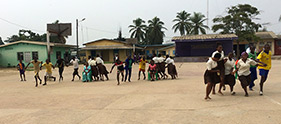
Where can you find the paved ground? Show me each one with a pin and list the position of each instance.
(142, 102)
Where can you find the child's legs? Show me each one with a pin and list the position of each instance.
(263, 74)
(130, 74)
(139, 73)
(126, 74)
(208, 89)
(118, 74)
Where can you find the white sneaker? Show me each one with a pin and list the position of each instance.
(261, 93)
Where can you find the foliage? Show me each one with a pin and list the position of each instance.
(197, 23)
(239, 21)
(183, 24)
(154, 31)
(138, 30)
(1, 42)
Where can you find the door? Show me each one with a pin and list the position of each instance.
(277, 48)
(105, 55)
(27, 57)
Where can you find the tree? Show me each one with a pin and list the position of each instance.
(1, 42)
(154, 31)
(120, 37)
(138, 30)
(239, 21)
(183, 24)
(197, 23)
(280, 18)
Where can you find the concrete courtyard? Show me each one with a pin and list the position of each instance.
(178, 101)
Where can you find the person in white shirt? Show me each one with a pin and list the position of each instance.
(229, 66)
(161, 61)
(243, 69)
(221, 67)
(171, 67)
(89, 59)
(211, 74)
(95, 72)
(75, 63)
(101, 68)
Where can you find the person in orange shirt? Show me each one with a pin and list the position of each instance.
(21, 68)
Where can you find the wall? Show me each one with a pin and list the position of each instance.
(9, 53)
(201, 48)
(104, 43)
(260, 44)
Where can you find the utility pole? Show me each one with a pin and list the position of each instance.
(48, 45)
(77, 43)
(207, 15)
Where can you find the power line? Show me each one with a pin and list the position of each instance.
(20, 25)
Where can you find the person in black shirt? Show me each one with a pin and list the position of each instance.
(60, 63)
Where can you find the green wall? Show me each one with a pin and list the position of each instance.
(8, 54)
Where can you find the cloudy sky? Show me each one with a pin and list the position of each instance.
(105, 17)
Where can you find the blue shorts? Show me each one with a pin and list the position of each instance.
(264, 73)
(253, 73)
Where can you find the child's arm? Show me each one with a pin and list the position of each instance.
(112, 68)
(26, 66)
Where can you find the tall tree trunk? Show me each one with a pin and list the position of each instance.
(238, 49)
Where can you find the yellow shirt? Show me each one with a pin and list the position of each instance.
(36, 65)
(265, 58)
(142, 64)
(48, 67)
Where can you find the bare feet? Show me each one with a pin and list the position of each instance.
(220, 92)
(208, 98)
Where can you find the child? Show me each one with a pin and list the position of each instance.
(21, 68)
(120, 69)
(229, 78)
(75, 63)
(265, 58)
(102, 69)
(36, 64)
(95, 71)
(87, 73)
(243, 69)
(161, 66)
(48, 65)
(128, 66)
(60, 63)
(210, 76)
(152, 68)
(171, 67)
(142, 65)
(220, 67)
(253, 68)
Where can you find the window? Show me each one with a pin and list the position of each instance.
(174, 52)
(58, 53)
(34, 55)
(20, 55)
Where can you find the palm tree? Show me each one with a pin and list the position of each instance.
(183, 23)
(138, 29)
(197, 23)
(154, 31)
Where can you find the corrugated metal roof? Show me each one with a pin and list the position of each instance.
(204, 37)
(38, 43)
(109, 47)
(266, 35)
(279, 36)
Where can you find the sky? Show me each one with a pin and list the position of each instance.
(104, 18)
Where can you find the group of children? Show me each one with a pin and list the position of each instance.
(225, 70)
(48, 74)
(156, 66)
(95, 69)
